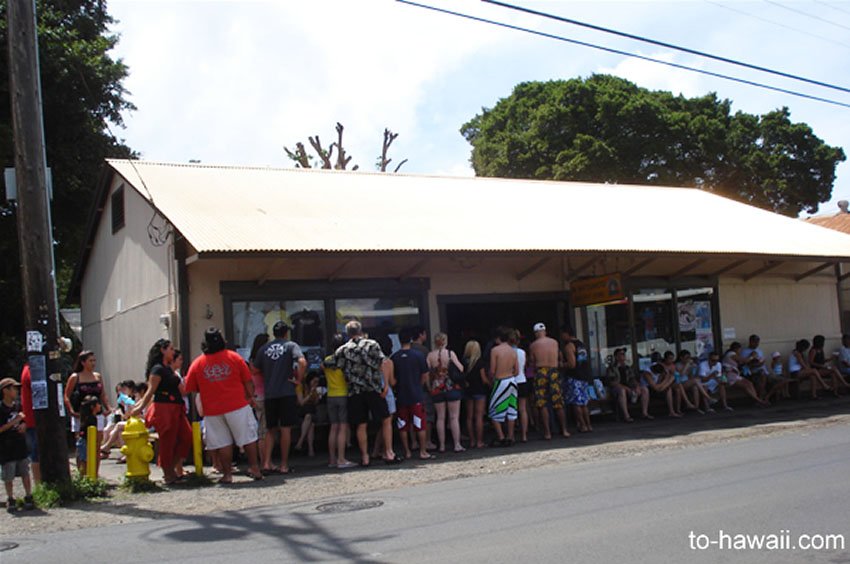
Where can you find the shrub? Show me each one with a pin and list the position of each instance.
(80, 488)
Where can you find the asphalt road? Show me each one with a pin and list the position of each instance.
(637, 509)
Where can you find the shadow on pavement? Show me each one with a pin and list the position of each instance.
(308, 540)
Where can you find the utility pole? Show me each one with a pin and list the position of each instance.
(35, 238)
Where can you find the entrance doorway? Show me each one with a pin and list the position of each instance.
(470, 317)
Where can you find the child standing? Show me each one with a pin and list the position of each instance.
(13, 445)
(90, 408)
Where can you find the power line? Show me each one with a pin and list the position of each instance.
(776, 23)
(808, 15)
(666, 45)
(833, 6)
(625, 53)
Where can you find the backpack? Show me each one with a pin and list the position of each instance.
(582, 369)
(457, 376)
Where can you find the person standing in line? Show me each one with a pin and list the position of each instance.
(547, 380)
(177, 367)
(411, 372)
(29, 414)
(475, 393)
(503, 398)
(222, 379)
(337, 409)
(420, 337)
(282, 365)
(576, 373)
(86, 382)
(308, 394)
(523, 386)
(13, 454)
(259, 396)
(362, 363)
(167, 413)
(445, 393)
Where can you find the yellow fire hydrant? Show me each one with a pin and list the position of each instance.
(137, 449)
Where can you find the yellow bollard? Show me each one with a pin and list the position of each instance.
(92, 452)
(197, 448)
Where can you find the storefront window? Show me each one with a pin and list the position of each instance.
(654, 319)
(608, 329)
(696, 332)
(382, 318)
(305, 317)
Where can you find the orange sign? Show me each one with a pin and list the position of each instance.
(597, 290)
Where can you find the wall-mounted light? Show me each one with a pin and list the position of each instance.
(209, 313)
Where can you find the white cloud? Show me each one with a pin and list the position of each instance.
(655, 76)
(236, 82)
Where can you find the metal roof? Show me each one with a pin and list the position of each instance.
(229, 209)
(838, 222)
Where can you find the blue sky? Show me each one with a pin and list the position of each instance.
(233, 82)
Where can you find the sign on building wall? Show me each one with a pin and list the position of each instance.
(597, 290)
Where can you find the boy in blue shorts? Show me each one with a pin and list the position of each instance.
(14, 461)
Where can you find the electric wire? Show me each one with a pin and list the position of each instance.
(833, 6)
(644, 39)
(779, 24)
(808, 15)
(626, 53)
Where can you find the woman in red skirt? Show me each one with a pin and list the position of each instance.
(167, 415)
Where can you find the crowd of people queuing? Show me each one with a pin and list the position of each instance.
(419, 394)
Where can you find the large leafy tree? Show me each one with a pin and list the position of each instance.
(607, 129)
(82, 93)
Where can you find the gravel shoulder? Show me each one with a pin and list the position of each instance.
(314, 485)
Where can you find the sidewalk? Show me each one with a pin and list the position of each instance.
(313, 483)
(606, 429)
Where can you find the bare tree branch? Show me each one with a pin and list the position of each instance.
(303, 160)
(401, 164)
(299, 156)
(317, 146)
(389, 137)
(341, 160)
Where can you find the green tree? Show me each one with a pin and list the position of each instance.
(607, 129)
(82, 92)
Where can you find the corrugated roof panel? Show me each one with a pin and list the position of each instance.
(230, 209)
(838, 222)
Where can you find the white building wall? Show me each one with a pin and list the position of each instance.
(777, 308)
(780, 311)
(127, 286)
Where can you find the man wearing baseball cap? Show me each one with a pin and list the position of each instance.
(282, 365)
(547, 381)
(13, 445)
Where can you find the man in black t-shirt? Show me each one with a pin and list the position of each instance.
(13, 444)
(283, 366)
(411, 372)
